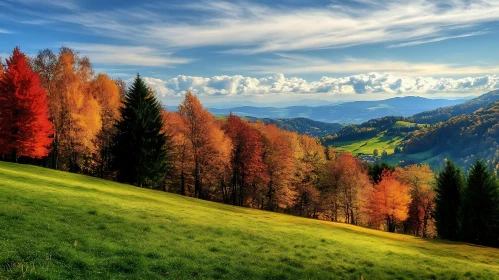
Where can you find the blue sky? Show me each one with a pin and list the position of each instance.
(272, 51)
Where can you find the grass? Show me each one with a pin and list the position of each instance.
(366, 147)
(57, 225)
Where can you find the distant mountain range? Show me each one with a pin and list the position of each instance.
(353, 112)
(301, 125)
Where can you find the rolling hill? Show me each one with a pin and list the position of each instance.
(468, 107)
(462, 138)
(57, 225)
(344, 113)
(301, 125)
(428, 136)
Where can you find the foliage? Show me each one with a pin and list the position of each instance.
(446, 113)
(455, 135)
(480, 214)
(448, 199)
(301, 125)
(387, 202)
(210, 147)
(140, 145)
(421, 180)
(25, 129)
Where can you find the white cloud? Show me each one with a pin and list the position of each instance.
(126, 55)
(247, 27)
(254, 28)
(372, 83)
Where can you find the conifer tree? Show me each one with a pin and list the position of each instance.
(450, 183)
(25, 128)
(481, 206)
(140, 155)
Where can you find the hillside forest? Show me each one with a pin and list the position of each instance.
(55, 111)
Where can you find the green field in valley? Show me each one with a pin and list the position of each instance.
(57, 225)
(367, 146)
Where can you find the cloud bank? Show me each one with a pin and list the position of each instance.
(372, 83)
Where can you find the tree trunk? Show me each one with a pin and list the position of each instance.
(182, 183)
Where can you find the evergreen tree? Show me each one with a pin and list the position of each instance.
(481, 207)
(450, 183)
(140, 145)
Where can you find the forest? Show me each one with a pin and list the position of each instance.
(55, 111)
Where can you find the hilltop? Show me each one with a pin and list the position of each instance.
(61, 225)
(468, 107)
(301, 125)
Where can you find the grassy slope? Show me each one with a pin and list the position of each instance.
(380, 142)
(366, 147)
(131, 233)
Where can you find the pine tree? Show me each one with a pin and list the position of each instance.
(481, 207)
(140, 155)
(25, 128)
(450, 183)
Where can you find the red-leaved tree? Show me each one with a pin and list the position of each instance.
(25, 129)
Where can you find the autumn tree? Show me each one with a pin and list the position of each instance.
(107, 93)
(45, 64)
(310, 158)
(421, 180)
(343, 182)
(480, 219)
(121, 87)
(179, 176)
(448, 200)
(210, 146)
(75, 111)
(25, 128)
(278, 192)
(246, 158)
(140, 154)
(388, 202)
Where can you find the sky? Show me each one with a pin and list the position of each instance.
(279, 51)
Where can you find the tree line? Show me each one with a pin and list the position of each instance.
(56, 112)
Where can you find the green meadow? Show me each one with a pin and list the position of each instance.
(380, 142)
(57, 225)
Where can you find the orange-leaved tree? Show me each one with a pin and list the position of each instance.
(344, 180)
(310, 159)
(278, 158)
(107, 93)
(79, 116)
(179, 177)
(388, 202)
(210, 147)
(421, 180)
(25, 128)
(246, 159)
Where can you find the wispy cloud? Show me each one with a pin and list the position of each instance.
(247, 28)
(5, 31)
(127, 55)
(437, 39)
(299, 64)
